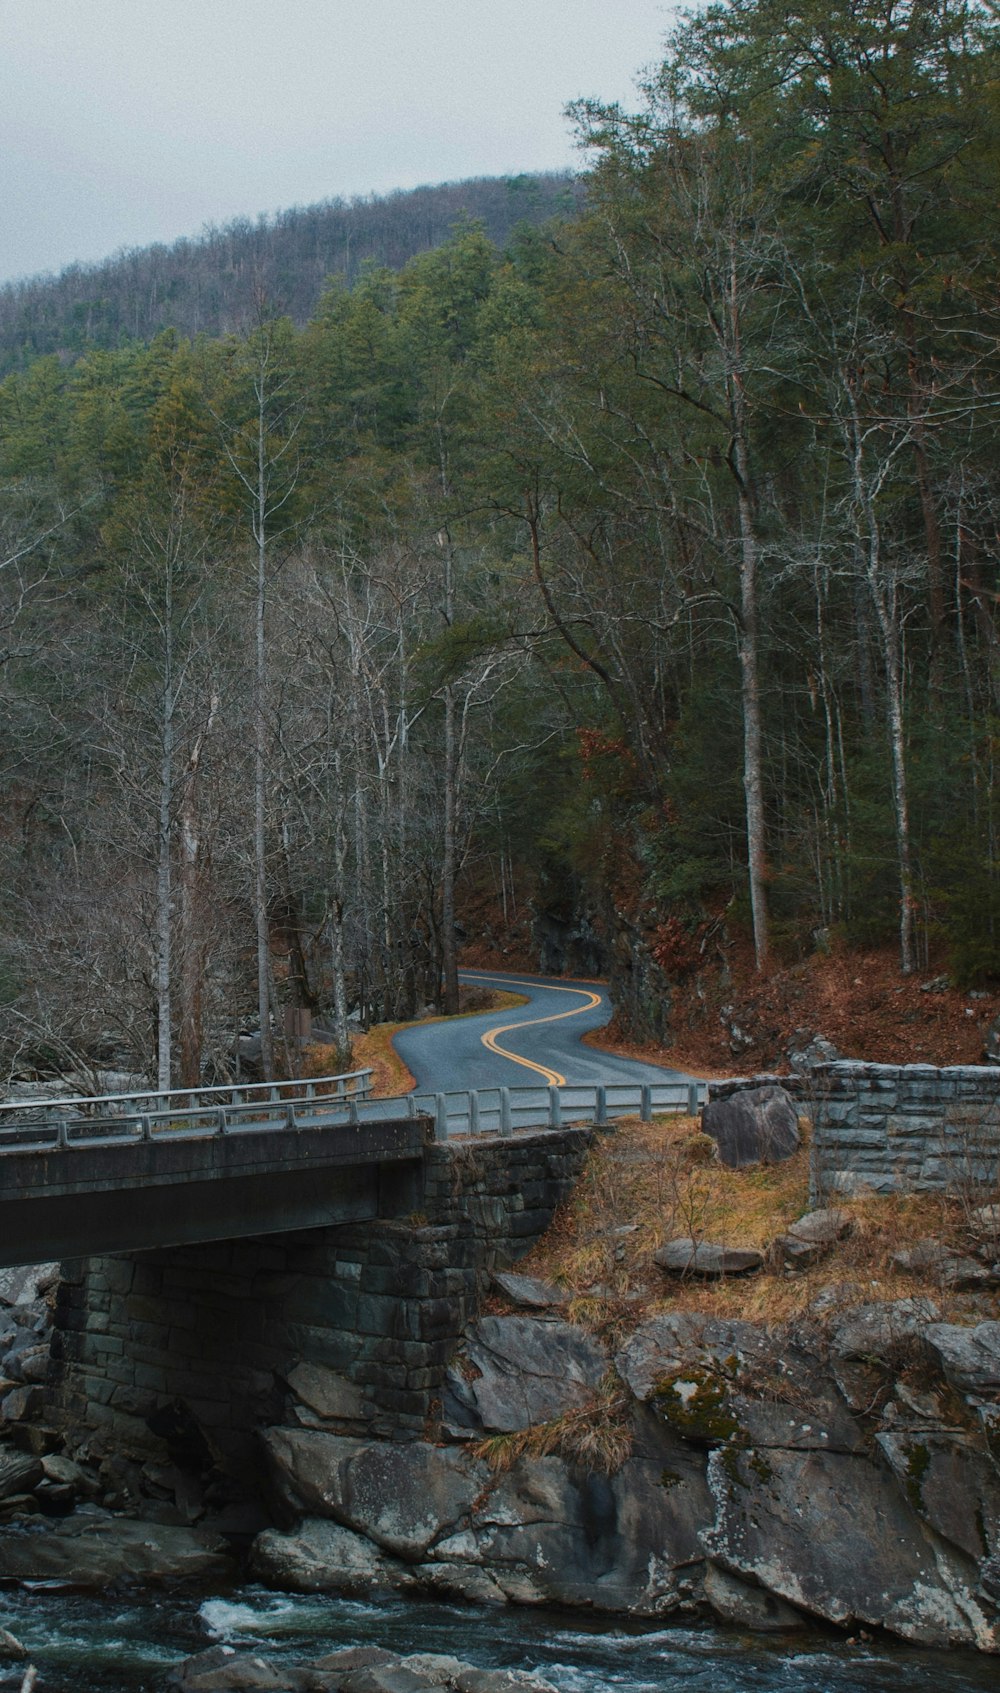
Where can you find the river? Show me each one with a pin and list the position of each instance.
(83, 1644)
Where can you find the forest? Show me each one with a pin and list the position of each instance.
(639, 572)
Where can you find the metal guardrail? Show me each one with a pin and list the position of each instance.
(299, 1105)
(42, 1125)
(357, 1082)
(503, 1110)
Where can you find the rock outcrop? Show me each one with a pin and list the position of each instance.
(845, 1471)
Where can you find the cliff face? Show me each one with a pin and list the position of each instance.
(846, 1473)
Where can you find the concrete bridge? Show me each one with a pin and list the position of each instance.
(219, 1253)
(124, 1173)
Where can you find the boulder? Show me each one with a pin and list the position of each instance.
(741, 1606)
(401, 1496)
(807, 1050)
(93, 1551)
(680, 1340)
(953, 1487)
(884, 1331)
(969, 1357)
(324, 1395)
(813, 1236)
(24, 1285)
(320, 1557)
(950, 1269)
(686, 1256)
(757, 1125)
(518, 1371)
(472, 1680)
(832, 1535)
(222, 1669)
(225, 1669)
(550, 1533)
(530, 1291)
(454, 1581)
(19, 1473)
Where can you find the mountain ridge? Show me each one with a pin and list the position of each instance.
(208, 284)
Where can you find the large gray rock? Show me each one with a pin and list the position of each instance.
(833, 1536)
(320, 1557)
(951, 1485)
(814, 1235)
(686, 1256)
(465, 1583)
(222, 1669)
(755, 1126)
(518, 1371)
(741, 1606)
(530, 1291)
(684, 1340)
(19, 1473)
(401, 1496)
(92, 1551)
(883, 1332)
(970, 1357)
(950, 1269)
(324, 1395)
(23, 1285)
(552, 1534)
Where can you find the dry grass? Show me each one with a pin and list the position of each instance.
(597, 1436)
(647, 1182)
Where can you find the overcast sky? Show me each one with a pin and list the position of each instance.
(130, 121)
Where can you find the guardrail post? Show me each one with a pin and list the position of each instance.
(290, 1122)
(145, 1127)
(411, 1105)
(440, 1117)
(474, 1126)
(62, 1132)
(555, 1109)
(646, 1103)
(506, 1119)
(601, 1107)
(221, 1121)
(693, 1106)
(352, 1112)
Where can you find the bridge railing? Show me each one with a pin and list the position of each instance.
(497, 1110)
(300, 1105)
(181, 1111)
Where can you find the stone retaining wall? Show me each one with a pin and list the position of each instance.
(895, 1127)
(206, 1337)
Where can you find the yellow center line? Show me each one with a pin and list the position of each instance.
(490, 1041)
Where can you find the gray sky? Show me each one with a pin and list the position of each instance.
(129, 121)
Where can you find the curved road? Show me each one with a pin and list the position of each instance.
(537, 1043)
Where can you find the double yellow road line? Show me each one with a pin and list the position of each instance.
(491, 1042)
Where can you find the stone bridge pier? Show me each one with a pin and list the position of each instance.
(179, 1356)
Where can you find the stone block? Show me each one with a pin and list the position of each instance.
(105, 1343)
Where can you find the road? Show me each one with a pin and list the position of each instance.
(535, 1044)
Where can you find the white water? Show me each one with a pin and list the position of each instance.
(91, 1645)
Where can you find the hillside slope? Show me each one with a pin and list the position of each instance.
(208, 285)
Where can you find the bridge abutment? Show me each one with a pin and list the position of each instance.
(180, 1355)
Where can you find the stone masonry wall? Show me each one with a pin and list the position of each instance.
(196, 1345)
(904, 1127)
(895, 1127)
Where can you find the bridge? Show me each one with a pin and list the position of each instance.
(128, 1172)
(217, 1244)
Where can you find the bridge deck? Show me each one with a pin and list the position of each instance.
(119, 1193)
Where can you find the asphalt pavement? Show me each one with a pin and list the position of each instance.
(536, 1043)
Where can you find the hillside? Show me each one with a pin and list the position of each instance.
(207, 285)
